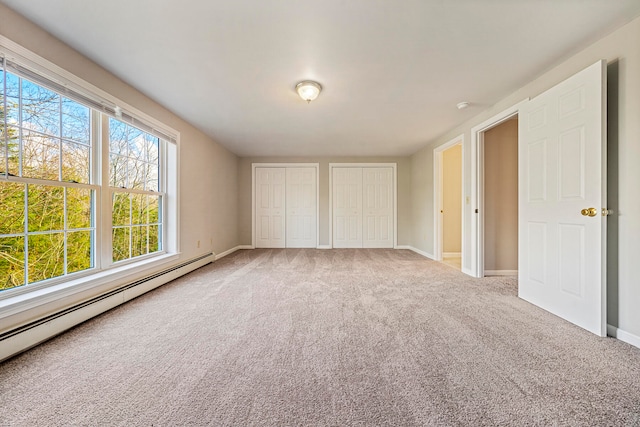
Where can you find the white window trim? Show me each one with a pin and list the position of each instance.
(22, 298)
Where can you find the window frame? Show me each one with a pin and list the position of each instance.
(104, 271)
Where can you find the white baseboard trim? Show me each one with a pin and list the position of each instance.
(468, 272)
(451, 254)
(421, 252)
(622, 335)
(22, 338)
(501, 272)
(232, 250)
(323, 247)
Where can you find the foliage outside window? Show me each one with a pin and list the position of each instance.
(50, 154)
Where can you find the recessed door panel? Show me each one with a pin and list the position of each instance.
(571, 164)
(571, 267)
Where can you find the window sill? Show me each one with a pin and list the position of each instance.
(82, 288)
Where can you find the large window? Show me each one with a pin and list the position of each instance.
(52, 179)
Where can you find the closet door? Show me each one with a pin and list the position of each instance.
(347, 207)
(377, 185)
(301, 207)
(270, 207)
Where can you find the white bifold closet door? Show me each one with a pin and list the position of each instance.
(301, 207)
(286, 207)
(347, 207)
(362, 207)
(270, 207)
(377, 201)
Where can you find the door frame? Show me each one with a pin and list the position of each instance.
(476, 209)
(316, 166)
(438, 180)
(394, 187)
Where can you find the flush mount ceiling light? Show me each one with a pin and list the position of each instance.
(308, 90)
(462, 105)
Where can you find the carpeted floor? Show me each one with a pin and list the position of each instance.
(325, 338)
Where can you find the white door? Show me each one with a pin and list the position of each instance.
(377, 200)
(301, 208)
(562, 163)
(270, 207)
(347, 207)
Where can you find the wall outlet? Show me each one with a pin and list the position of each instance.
(198, 243)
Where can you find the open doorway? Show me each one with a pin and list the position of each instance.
(501, 199)
(490, 236)
(448, 170)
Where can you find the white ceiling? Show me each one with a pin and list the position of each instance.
(392, 71)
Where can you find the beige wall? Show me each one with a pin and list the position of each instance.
(501, 197)
(404, 192)
(452, 199)
(622, 51)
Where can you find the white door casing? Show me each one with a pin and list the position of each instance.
(377, 204)
(270, 207)
(301, 207)
(562, 164)
(347, 207)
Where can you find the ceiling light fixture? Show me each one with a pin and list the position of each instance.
(308, 90)
(462, 105)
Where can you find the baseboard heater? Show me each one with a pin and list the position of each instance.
(24, 329)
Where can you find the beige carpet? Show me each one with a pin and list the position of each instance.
(325, 338)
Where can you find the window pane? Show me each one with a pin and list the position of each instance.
(13, 99)
(46, 256)
(76, 123)
(40, 156)
(152, 177)
(12, 207)
(75, 162)
(120, 244)
(78, 251)
(118, 137)
(153, 203)
(121, 209)
(13, 151)
(136, 174)
(45, 208)
(11, 262)
(139, 240)
(152, 147)
(40, 109)
(118, 171)
(154, 238)
(138, 209)
(137, 143)
(78, 208)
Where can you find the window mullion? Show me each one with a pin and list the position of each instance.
(104, 214)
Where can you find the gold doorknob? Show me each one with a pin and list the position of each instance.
(589, 212)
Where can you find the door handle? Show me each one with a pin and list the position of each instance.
(589, 212)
